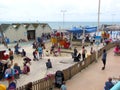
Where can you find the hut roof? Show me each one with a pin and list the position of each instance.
(3, 27)
(35, 25)
(26, 25)
(16, 25)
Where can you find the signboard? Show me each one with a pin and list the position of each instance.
(97, 40)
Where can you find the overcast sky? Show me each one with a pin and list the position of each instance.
(51, 10)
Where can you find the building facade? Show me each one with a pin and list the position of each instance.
(24, 31)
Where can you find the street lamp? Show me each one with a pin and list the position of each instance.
(63, 12)
(98, 15)
(98, 28)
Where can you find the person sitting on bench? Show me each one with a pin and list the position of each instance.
(77, 59)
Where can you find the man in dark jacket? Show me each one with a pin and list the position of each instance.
(104, 55)
(108, 84)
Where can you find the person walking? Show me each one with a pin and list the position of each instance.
(104, 56)
(84, 53)
(11, 57)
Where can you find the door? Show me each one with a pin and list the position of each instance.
(31, 35)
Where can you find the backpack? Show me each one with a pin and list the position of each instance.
(9, 75)
(12, 86)
(28, 69)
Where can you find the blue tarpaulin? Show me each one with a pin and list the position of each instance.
(86, 30)
(75, 30)
(90, 29)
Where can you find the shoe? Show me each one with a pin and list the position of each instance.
(103, 68)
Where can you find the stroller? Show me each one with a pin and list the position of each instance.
(59, 78)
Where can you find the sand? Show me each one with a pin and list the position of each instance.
(38, 68)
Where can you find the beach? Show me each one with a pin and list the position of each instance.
(38, 69)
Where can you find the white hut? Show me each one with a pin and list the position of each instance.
(31, 32)
(25, 31)
(43, 28)
(21, 32)
(10, 32)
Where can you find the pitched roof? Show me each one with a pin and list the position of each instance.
(35, 25)
(16, 25)
(26, 25)
(3, 27)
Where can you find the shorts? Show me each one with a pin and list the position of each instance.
(83, 55)
(11, 57)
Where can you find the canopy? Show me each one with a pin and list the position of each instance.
(85, 30)
(75, 30)
(90, 29)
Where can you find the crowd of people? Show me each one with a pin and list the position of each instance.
(8, 73)
(9, 70)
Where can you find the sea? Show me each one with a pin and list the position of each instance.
(65, 25)
(68, 25)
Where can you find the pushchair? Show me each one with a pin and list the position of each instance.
(59, 78)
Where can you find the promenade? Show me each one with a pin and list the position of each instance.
(92, 77)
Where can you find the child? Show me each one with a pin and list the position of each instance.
(35, 55)
(48, 64)
(52, 49)
(27, 60)
(26, 69)
(23, 53)
(63, 86)
(59, 50)
(47, 53)
(11, 56)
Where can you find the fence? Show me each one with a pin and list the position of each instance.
(48, 82)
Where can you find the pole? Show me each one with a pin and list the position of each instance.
(63, 11)
(98, 27)
(83, 40)
(98, 16)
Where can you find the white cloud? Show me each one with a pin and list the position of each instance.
(50, 10)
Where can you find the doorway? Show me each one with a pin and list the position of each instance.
(31, 34)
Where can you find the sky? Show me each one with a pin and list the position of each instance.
(59, 10)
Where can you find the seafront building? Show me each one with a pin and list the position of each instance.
(24, 31)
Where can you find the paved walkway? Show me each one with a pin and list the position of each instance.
(93, 78)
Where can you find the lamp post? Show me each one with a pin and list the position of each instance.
(98, 28)
(98, 15)
(63, 12)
